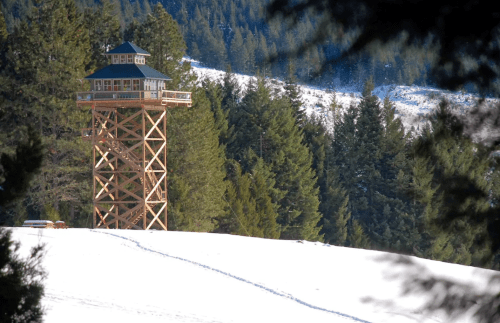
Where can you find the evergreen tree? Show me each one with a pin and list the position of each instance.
(138, 9)
(344, 157)
(131, 30)
(459, 169)
(292, 93)
(161, 37)
(336, 216)
(213, 91)
(250, 206)
(128, 12)
(21, 280)
(196, 183)
(242, 217)
(3, 29)
(263, 121)
(369, 137)
(230, 96)
(403, 218)
(104, 33)
(46, 61)
(17, 172)
(238, 53)
(357, 237)
(262, 56)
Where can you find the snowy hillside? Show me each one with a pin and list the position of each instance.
(412, 103)
(152, 276)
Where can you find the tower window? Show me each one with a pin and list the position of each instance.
(98, 85)
(136, 85)
(117, 85)
(123, 59)
(130, 59)
(107, 85)
(116, 59)
(139, 59)
(126, 85)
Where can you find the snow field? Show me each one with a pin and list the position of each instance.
(412, 103)
(154, 276)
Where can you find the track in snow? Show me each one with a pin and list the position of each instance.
(270, 290)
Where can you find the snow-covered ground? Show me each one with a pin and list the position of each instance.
(154, 276)
(413, 103)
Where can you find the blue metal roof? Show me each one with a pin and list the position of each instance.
(127, 71)
(128, 48)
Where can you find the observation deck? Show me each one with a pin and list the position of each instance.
(124, 99)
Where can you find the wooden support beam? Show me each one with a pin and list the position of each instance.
(130, 166)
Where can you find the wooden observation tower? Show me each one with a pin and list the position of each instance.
(129, 139)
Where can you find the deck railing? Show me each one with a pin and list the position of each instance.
(163, 95)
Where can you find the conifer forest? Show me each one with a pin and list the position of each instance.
(243, 162)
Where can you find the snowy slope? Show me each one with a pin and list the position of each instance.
(413, 103)
(153, 276)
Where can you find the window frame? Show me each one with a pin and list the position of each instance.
(117, 85)
(127, 87)
(136, 85)
(108, 85)
(98, 85)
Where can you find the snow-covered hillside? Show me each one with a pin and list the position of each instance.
(413, 103)
(157, 276)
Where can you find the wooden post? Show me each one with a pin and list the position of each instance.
(144, 192)
(94, 215)
(165, 159)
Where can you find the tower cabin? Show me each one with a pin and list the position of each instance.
(128, 81)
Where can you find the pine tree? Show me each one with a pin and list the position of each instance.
(262, 56)
(263, 121)
(251, 210)
(128, 12)
(404, 220)
(17, 172)
(131, 30)
(458, 170)
(344, 157)
(292, 93)
(357, 237)
(369, 135)
(230, 96)
(242, 218)
(213, 91)
(336, 216)
(46, 61)
(21, 280)
(238, 53)
(196, 183)
(161, 37)
(104, 33)
(3, 29)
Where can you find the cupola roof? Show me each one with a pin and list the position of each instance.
(128, 48)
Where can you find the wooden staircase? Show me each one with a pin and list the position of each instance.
(134, 161)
